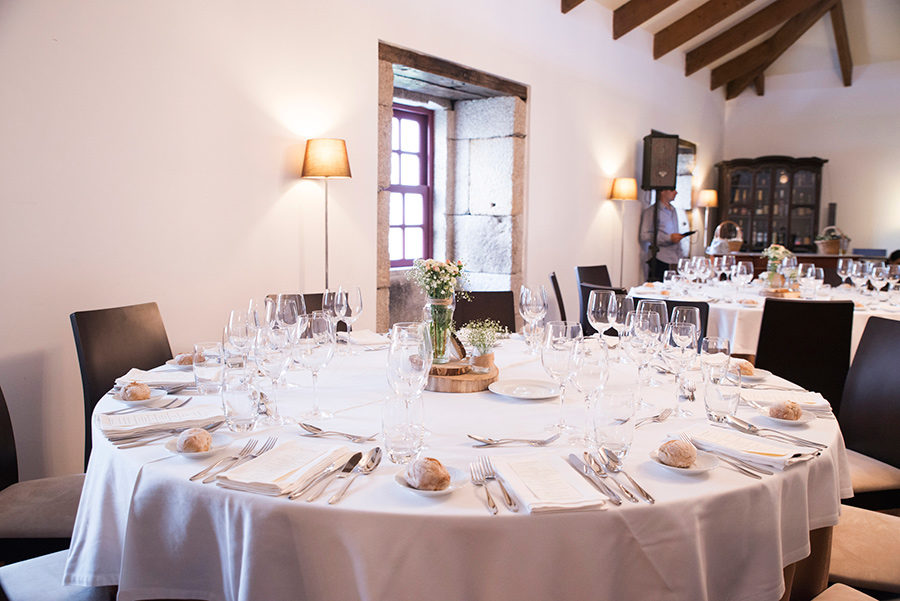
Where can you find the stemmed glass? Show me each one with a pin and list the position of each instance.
(591, 374)
(685, 268)
(680, 348)
(642, 341)
(788, 269)
(272, 350)
(601, 310)
(348, 305)
(624, 306)
(894, 276)
(329, 304)
(684, 314)
(859, 275)
(720, 267)
(658, 307)
(878, 278)
(559, 357)
(702, 268)
(843, 269)
(743, 274)
(409, 362)
(819, 277)
(533, 308)
(313, 349)
(238, 334)
(806, 274)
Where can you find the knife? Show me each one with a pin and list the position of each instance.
(296, 490)
(341, 473)
(595, 465)
(589, 474)
(748, 428)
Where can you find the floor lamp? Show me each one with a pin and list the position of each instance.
(707, 199)
(623, 189)
(326, 158)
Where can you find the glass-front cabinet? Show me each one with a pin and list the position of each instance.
(775, 200)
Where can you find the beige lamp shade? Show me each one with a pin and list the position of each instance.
(623, 188)
(708, 198)
(326, 158)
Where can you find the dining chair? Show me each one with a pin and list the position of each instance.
(701, 306)
(870, 416)
(842, 592)
(110, 342)
(40, 579)
(313, 302)
(559, 299)
(499, 306)
(584, 294)
(36, 516)
(593, 274)
(808, 343)
(865, 550)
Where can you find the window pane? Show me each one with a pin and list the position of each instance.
(395, 243)
(395, 168)
(409, 135)
(409, 166)
(414, 243)
(396, 211)
(395, 134)
(414, 210)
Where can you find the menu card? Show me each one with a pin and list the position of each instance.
(148, 421)
(286, 467)
(755, 449)
(547, 483)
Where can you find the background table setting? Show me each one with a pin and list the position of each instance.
(251, 532)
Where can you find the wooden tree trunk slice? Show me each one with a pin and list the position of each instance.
(468, 382)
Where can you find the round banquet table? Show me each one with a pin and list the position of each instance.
(142, 525)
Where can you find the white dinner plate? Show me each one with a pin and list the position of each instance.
(458, 479)
(704, 463)
(171, 363)
(758, 375)
(156, 394)
(219, 442)
(525, 389)
(805, 418)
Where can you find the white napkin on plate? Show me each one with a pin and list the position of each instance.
(754, 449)
(808, 401)
(287, 466)
(164, 419)
(156, 378)
(368, 338)
(547, 483)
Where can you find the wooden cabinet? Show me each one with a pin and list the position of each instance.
(775, 200)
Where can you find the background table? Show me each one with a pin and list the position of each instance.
(144, 526)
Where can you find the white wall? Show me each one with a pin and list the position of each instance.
(145, 149)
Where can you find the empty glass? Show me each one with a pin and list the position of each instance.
(843, 268)
(878, 277)
(591, 374)
(806, 275)
(679, 350)
(656, 306)
(714, 357)
(859, 275)
(313, 349)
(409, 363)
(685, 314)
(743, 273)
(642, 339)
(723, 393)
(239, 402)
(559, 357)
(272, 350)
(348, 306)
(238, 335)
(209, 364)
(601, 310)
(533, 303)
(624, 306)
(403, 428)
(613, 421)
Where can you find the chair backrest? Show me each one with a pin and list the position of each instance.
(499, 306)
(313, 302)
(559, 300)
(870, 407)
(593, 274)
(9, 465)
(109, 343)
(808, 343)
(584, 293)
(703, 307)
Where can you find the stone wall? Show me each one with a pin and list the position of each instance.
(385, 114)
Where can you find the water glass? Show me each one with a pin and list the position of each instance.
(559, 358)
(715, 354)
(239, 401)
(613, 421)
(601, 310)
(313, 349)
(409, 358)
(722, 394)
(209, 365)
(403, 428)
(534, 335)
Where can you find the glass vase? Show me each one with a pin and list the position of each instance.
(439, 313)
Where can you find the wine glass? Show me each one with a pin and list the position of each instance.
(685, 314)
(313, 350)
(719, 266)
(788, 269)
(348, 305)
(272, 350)
(843, 268)
(559, 357)
(624, 306)
(591, 374)
(743, 273)
(819, 277)
(287, 310)
(656, 306)
(238, 333)
(859, 275)
(533, 308)
(878, 277)
(329, 301)
(894, 276)
(680, 348)
(702, 268)
(642, 342)
(601, 310)
(806, 274)
(684, 267)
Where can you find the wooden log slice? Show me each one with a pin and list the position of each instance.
(469, 382)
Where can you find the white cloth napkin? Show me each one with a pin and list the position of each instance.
(368, 338)
(164, 419)
(754, 449)
(547, 483)
(285, 467)
(808, 401)
(156, 378)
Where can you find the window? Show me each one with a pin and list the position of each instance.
(410, 212)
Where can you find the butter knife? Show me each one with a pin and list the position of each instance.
(591, 477)
(598, 469)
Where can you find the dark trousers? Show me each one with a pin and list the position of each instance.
(656, 269)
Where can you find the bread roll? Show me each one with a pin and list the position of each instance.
(184, 359)
(745, 366)
(427, 474)
(194, 440)
(677, 453)
(135, 391)
(787, 410)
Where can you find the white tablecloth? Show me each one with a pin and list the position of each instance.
(144, 526)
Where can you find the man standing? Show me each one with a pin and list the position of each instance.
(668, 239)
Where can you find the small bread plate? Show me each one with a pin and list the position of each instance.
(219, 442)
(188, 367)
(458, 479)
(758, 375)
(704, 463)
(156, 394)
(805, 418)
(530, 390)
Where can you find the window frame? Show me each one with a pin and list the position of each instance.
(425, 118)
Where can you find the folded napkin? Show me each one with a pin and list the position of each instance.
(547, 483)
(755, 449)
(808, 401)
(285, 467)
(156, 378)
(368, 338)
(164, 419)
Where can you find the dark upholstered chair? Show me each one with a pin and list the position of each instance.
(499, 306)
(808, 343)
(36, 516)
(559, 299)
(865, 550)
(312, 301)
(109, 343)
(703, 307)
(593, 274)
(584, 293)
(40, 579)
(870, 416)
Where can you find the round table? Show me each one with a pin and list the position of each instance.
(143, 526)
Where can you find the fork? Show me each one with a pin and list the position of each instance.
(494, 442)
(659, 417)
(251, 444)
(170, 405)
(267, 446)
(478, 480)
(487, 469)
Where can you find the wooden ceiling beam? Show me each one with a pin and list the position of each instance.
(636, 12)
(776, 45)
(842, 41)
(739, 65)
(567, 5)
(694, 23)
(746, 31)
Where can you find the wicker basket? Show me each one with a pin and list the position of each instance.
(734, 242)
(830, 247)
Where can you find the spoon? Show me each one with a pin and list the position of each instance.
(316, 431)
(365, 467)
(614, 465)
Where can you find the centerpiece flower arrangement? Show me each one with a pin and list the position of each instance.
(482, 335)
(774, 255)
(439, 280)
